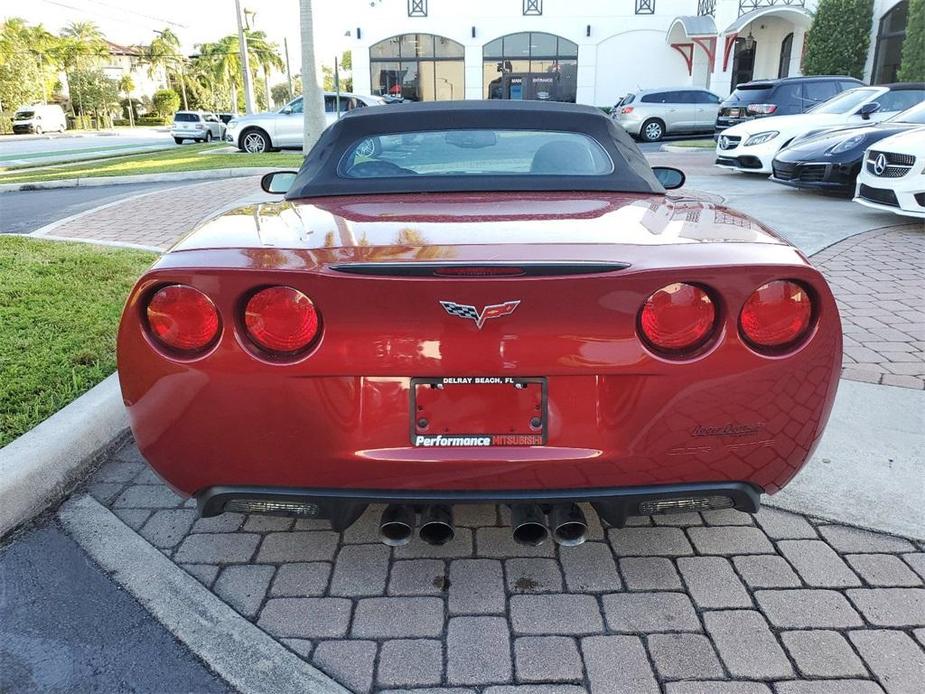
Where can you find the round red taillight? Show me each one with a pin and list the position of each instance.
(776, 315)
(281, 319)
(182, 318)
(677, 318)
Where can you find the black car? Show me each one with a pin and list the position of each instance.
(779, 97)
(831, 160)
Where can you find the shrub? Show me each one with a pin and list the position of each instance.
(912, 67)
(837, 41)
(166, 102)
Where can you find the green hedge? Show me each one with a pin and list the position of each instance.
(912, 68)
(839, 37)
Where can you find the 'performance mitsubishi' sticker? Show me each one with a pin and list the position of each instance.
(463, 441)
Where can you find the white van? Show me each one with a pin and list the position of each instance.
(38, 119)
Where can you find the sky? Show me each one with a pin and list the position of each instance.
(196, 21)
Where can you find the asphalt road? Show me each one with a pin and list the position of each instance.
(30, 149)
(25, 211)
(65, 627)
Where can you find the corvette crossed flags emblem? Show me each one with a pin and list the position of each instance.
(470, 312)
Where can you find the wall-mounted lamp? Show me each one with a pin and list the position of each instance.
(473, 32)
(588, 30)
(749, 41)
(359, 34)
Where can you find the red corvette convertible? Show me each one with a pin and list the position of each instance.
(479, 302)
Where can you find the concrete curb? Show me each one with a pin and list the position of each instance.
(685, 150)
(235, 649)
(37, 468)
(207, 175)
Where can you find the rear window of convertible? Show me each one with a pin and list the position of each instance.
(475, 152)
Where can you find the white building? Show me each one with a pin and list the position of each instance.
(589, 51)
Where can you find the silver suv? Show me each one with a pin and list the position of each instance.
(262, 132)
(200, 126)
(651, 114)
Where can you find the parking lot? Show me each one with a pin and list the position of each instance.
(784, 602)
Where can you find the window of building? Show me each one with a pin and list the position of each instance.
(530, 66)
(890, 37)
(418, 67)
(786, 48)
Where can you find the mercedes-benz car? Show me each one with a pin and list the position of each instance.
(831, 160)
(893, 176)
(751, 146)
(265, 132)
(479, 302)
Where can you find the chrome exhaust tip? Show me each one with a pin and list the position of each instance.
(396, 525)
(569, 525)
(437, 525)
(528, 524)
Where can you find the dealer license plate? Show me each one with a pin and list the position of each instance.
(478, 412)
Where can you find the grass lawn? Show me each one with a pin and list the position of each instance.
(186, 158)
(59, 309)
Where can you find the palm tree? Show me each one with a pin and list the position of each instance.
(127, 86)
(164, 51)
(313, 102)
(81, 40)
(225, 58)
(264, 55)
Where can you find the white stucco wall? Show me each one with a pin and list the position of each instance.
(618, 50)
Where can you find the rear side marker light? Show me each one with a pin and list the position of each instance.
(281, 320)
(677, 319)
(182, 318)
(777, 315)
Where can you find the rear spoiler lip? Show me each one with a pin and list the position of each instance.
(542, 268)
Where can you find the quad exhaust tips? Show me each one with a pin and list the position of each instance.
(568, 523)
(396, 525)
(528, 524)
(437, 525)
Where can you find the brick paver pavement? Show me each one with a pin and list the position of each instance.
(159, 219)
(713, 602)
(878, 278)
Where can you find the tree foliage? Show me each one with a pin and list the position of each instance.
(839, 37)
(166, 102)
(912, 67)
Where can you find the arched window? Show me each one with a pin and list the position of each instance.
(890, 37)
(530, 65)
(418, 67)
(786, 48)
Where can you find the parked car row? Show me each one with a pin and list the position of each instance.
(651, 114)
(867, 141)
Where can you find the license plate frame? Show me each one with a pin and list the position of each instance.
(535, 395)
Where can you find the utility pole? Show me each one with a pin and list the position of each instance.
(336, 88)
(245, 63)
(288, 71)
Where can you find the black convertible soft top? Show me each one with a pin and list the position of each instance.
(319, 176)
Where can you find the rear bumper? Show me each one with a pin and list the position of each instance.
(343, 506)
